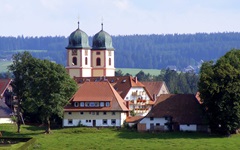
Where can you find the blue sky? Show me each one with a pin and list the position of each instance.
(120, 17)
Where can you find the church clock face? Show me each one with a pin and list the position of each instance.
(74, 52)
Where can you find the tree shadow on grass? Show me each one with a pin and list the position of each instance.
(133, 134)
(35, 128)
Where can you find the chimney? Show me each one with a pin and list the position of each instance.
(136, 79)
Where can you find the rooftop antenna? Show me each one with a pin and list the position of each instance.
(78, 21)
(102, 23)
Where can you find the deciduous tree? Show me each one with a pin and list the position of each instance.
(219, 88)
(43, 86)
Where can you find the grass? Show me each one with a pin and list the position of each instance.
(134, 71)
(111, 138)
(3, 65)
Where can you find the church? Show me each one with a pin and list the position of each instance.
(90, 61)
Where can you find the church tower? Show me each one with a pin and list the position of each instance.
(78, 55)
(102, 55)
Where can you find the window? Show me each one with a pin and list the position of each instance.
(74, 61)
(89, 120)
(81, 113)
(87, 104)
(157, 124)
(101, 104)
(113, 113)
(93, 113)
(104, 121)
(86, 120)
(113, 121)
(86, 61)
(109, 53)
(92, 104)
(104, 113)
(98, 53)
(96, 104)
(97, 113)
(76, 104)
(151, 118)
(70, 121)
(109, 61)
(69, 113)
(81, 104)
(98, 61)
(107, 104)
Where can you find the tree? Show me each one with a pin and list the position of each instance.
(219, 88)
(47, 86)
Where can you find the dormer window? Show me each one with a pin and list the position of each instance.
(81, 104)
(101, 104)
(107, 104)
(76, 104)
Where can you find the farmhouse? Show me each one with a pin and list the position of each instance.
(5, 111)
(96, 104)
(174, 112)
(156, 88)
(130, 89)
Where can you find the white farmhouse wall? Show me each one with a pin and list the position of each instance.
(147, 121)
(123, 118)
(87, 118)
(5, 120)
(191, 127)
(89, 123)
(129, 95)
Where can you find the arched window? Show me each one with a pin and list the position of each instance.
(74, 61)
(98, 62)
(86, 61)
(109, 61)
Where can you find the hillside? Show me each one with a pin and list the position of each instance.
(135, 51)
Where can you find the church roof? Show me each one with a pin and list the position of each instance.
(78, 39)
(102, 41)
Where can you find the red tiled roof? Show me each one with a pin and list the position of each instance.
(154, 87)
(121, 84)
(97, 91)
(183, 108)
(3, 85)
(133, 119)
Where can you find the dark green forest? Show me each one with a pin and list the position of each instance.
(135, 51)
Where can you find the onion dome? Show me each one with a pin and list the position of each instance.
(102, 41)
(78, 39)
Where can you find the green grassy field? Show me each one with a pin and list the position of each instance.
(82, 138)
(134, 71)
(3, 65)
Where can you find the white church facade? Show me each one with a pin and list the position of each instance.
(86, 61)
